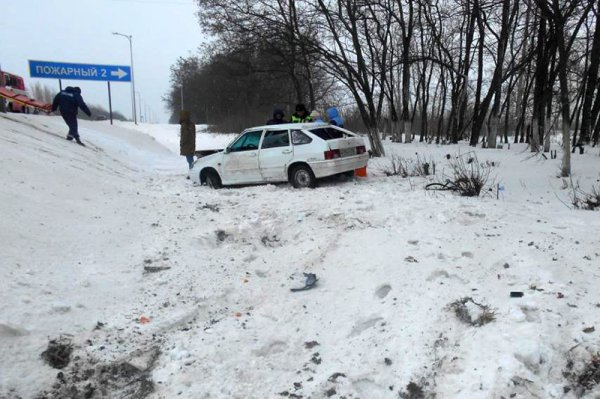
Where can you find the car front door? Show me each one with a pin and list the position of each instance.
(240, 162)
(275, 153)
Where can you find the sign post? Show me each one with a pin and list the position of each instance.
(74, 71)
(109, 103)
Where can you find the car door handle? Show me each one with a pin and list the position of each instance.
(286, 151)
(252, 154)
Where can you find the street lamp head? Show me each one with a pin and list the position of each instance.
(124, 35)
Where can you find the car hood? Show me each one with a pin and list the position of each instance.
(209, 160)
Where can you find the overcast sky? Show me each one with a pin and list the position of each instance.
(81, 31)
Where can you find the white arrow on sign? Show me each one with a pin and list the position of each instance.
(119, 72)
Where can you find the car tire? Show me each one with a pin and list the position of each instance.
(302, 177)
(213, 180)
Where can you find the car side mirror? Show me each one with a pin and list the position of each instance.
(226, 150)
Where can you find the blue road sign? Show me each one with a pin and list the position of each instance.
(71, 71)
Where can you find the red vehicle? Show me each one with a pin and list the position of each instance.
(17, 85)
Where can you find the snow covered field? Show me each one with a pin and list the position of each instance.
(163, 289)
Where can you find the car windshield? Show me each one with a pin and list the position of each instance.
(328, 133)
(249, 141)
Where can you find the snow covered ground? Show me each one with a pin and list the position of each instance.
(164, 289)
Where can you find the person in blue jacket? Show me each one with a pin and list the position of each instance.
(334, 117)
(68, 101)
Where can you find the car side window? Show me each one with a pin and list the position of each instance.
(299, 138)
(276, 138)
(247, 142)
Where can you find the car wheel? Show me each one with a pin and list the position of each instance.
(213, 180)
(302, 177)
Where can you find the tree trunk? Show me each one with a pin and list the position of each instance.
(565, 169)
(375, 141)
(534, 136)
(442, 108)
(493, 132)
(506, 120)
(596, 120)
(547, 134)
(592, 84)
(407, 128)
(477, 113)
(548, 127)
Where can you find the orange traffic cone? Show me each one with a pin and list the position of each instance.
(361, 172)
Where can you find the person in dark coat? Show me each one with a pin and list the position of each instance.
(68, 101)
(334, 117)
(277, 117)
(301, 115)
(187, 138)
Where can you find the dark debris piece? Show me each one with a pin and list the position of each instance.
(58, 353)
(334, 377)
(311, 344)
(311, 281)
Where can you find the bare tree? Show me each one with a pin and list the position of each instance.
(591, 83)
(566, 19)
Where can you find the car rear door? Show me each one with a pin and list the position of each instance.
(240, 163)
(275, 153)
(344, 143)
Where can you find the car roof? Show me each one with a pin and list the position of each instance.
(282, 126)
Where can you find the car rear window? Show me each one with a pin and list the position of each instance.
(327, 133)
(299, 138)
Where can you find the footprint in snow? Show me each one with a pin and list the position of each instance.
(361, 326)
(440, 273)
(270, 348)
(382, 291)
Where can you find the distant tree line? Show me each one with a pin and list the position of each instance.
(240, 84)
(435, 70)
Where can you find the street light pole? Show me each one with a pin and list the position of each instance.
(129, 37)
(139, 103)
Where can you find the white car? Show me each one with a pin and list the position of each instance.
(294, 152)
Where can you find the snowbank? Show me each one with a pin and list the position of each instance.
(111, 247)
(168, 136)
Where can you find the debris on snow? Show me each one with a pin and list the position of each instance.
(58, 352)
(334, 377)
(155, 269)
(310, 344)
(413, 391)
(472, 313)
(311, 281)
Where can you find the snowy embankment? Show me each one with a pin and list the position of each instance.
(168, 136)
(168, 290)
